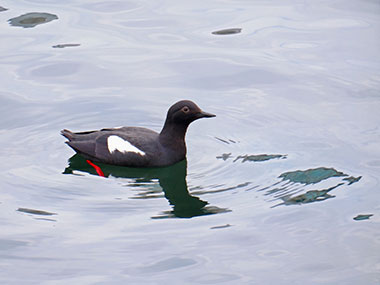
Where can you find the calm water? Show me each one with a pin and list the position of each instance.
(282, 187)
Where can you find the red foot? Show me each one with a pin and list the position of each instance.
(97, 168)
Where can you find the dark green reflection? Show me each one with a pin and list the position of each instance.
(30, 20)
(309, 197)
(362, 217)
(352, 179)
(172, 179)
(311, 176)
(293, 182)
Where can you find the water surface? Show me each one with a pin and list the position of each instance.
(282, 187)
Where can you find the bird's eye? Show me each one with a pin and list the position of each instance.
(185, 109)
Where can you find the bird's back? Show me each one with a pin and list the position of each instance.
(127, 146)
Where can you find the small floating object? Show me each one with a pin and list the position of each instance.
(30, 20)
(362, 217)
(35, 212)
(2, 9)
(227, 31)
(65, 45)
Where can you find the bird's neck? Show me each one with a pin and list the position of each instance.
(173, 135)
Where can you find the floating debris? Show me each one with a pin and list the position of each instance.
(30, 20)
(363, 217)
(259, 157)
(224, 156)
(221, 227)
(228, 31)
(311, 176)
(352, 179)
(65, 45)
(35, 212)
(2, 9)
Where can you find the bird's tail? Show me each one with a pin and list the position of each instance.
(67, 134)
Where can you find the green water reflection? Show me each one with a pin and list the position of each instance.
(297, 180)
(311, 176)
(362, 217)
(172, 180)
(30, 20)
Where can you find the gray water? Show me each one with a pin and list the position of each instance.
(282, 187)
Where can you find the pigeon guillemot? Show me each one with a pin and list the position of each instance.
(136, 146)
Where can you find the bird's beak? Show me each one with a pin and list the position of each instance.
(205, 115)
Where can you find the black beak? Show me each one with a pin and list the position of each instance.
(202, 114)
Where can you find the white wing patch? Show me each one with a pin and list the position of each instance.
(117, 143)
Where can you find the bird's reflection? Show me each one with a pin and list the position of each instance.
(172, 180)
